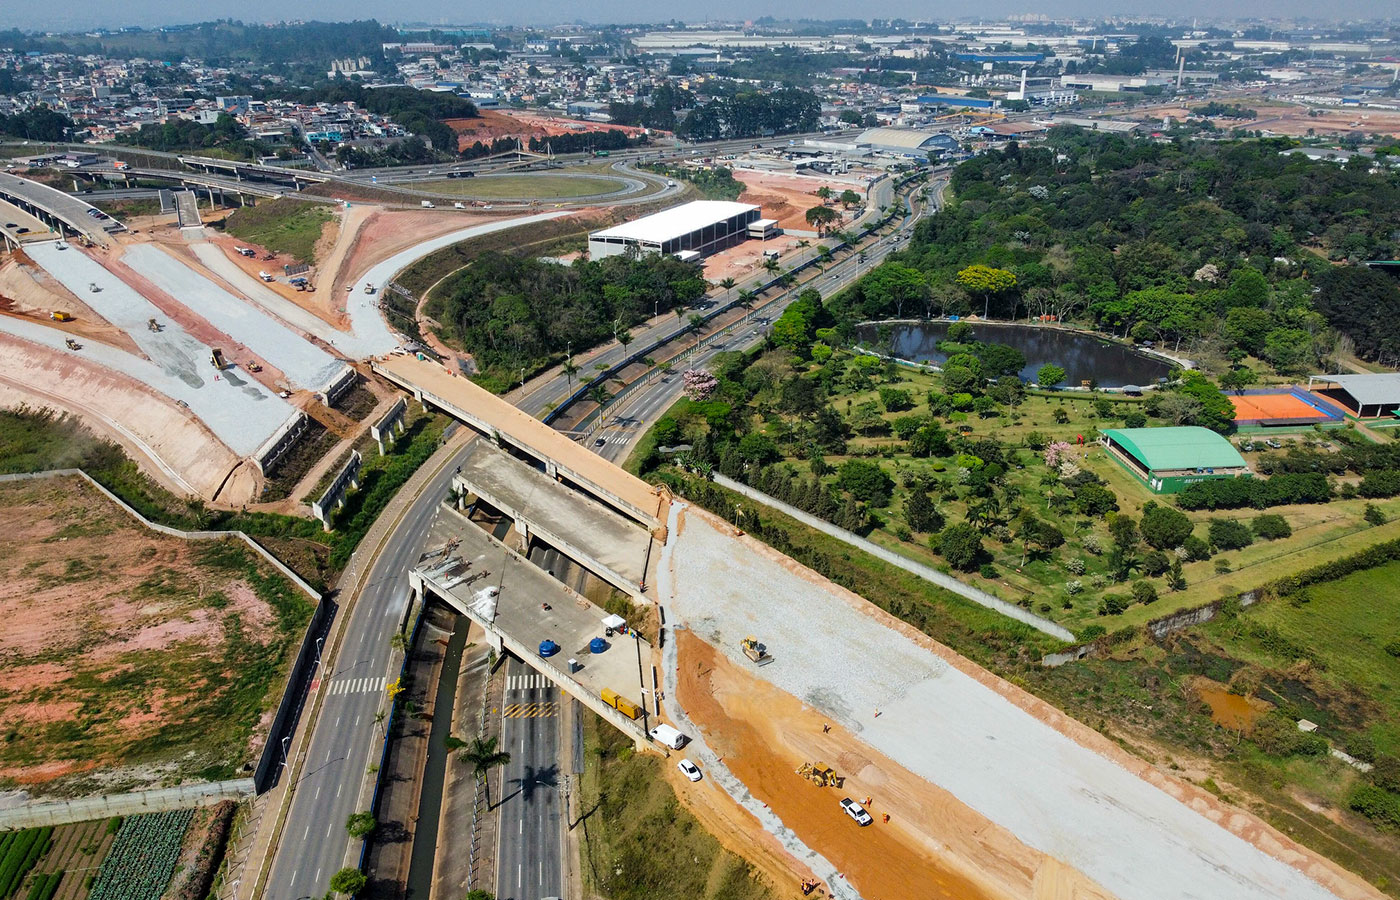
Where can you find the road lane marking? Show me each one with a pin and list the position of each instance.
(306, 832)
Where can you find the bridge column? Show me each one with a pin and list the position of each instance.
(551, 468)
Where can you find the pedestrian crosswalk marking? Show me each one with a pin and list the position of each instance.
(530, 710)
(357, 685)
(527, 682)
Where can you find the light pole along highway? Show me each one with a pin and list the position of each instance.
(326, 772)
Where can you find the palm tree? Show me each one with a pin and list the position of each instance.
(483, 755)
(570, 370)
(728, 285)
(697, 325)
(746, 299)
(771, 265)
(599, 395)
(624, 337)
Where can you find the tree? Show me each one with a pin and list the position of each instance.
(866, 481)
(482, 754)
(1227, 534)
(849, 198)
(1271, 527)
(746, 299)
(360, 824)
(960, 545)
(1049, 375)
(479, 894)
(348, 881)
(1238, 379)
(985, 281)
(624, 337)
(570, 369)
(728, 284)
(921, 514)
(1125, 532)
(819, 217)
(824, 193)
(1164, 528)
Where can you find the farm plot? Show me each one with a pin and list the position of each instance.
(68, 869)
(143, 857)
(19, 852)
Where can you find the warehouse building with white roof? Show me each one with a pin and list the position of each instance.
(689, 231)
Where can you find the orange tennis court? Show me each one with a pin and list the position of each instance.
(1295, 407)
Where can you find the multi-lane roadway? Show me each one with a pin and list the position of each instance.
(314, 842)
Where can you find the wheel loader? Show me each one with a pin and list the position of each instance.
(820, 774)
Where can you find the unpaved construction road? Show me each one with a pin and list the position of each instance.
(1064, 811)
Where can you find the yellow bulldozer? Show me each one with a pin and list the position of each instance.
(755, 651)
(822, 775)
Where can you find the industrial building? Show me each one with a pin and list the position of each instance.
(1364, 396)
(906, 142)
(689, 231)
(1168, 459)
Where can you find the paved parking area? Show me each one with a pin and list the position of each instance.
(305, 365)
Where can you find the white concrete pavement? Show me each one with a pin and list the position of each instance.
(241, 412)
(303, 363)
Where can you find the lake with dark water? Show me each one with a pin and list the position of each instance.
(1082, 356)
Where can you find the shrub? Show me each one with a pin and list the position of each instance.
(1196, 549)
(1134, 419)
(1163, 527)
(1271, 527)
(1144, 592)
(360, 824)
(1075, 565)
(866, 481)
(1073, 587)
(1155, 562)
(1373, 515)
(1381, 807)
(895, 399)
(987, 570)
(348, 881)
(1382, 483)
(1233, 493)
(1278, 735)
(1228, 534)
(1113, 604)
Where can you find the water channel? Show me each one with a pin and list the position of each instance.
(1083, 356)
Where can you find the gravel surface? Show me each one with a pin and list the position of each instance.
(239, 410)
(951, 729)
(305, 365)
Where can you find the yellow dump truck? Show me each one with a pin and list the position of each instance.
(621, 704)
(59, 315)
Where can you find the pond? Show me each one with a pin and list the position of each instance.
(1083, 356)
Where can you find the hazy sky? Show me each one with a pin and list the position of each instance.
(78, 14)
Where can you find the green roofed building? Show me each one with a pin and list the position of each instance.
(1168, 459)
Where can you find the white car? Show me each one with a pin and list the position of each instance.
(856, 811)
(689, 769)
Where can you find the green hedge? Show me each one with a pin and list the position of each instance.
(21, 853)
(1378, 555)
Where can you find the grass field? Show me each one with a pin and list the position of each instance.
(638, 842)
(282, 226)
(543, 186)
(142, 658)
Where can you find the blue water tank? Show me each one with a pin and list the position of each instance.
(597, 645)
(548, 648)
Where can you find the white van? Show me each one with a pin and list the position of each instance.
(669, 736)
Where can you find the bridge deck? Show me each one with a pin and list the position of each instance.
(502, 591)
(68, 209)
(612, 546)
(485, 411)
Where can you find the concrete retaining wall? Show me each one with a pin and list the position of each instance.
(274, 448)
(334, 497)
(338, 386)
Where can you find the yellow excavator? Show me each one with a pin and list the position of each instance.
(822, 775)
(756, 652)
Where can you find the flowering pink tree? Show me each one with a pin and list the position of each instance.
(1056, 453)
(699, 384)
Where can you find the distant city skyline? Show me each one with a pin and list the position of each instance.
(86, 14)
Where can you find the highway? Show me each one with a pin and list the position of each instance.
(314, 842)
(530, 857)
(314, 839)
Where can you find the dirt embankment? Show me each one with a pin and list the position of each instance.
(493, 125)
(932, 847)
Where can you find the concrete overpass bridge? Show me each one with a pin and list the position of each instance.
(64, 213)
(239, 171)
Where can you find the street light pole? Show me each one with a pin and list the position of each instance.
(641, 678)
(288, 739)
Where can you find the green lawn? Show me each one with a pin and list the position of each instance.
(282, 226)
(542, 186)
